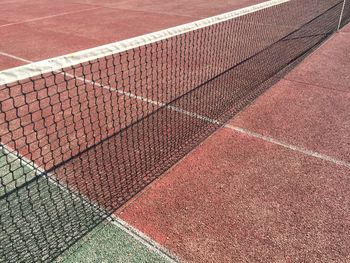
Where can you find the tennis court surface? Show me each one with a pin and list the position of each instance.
(202, 135)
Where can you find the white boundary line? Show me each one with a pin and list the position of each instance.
(47, 17)
(58, 63)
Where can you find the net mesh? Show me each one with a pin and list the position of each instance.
(79, 142)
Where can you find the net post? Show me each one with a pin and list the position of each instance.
(341, 15)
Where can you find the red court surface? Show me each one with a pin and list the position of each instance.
(346, 29)
(45, 28)
(241, 198)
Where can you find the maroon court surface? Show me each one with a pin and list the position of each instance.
(239, 198)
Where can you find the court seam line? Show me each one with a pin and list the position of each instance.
(48, 17)
(316, 86)
(114, 220)
(204, 118)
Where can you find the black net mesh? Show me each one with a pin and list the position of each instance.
(80, 142)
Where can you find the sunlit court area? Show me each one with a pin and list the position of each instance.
(174, 131)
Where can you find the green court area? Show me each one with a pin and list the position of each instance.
(42, 221)
(108, 243)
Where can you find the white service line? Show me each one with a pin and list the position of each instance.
(51, 16)
(15, 57)
(58, 63)
(131, 95)
(289, 146)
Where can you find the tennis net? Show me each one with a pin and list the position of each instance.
(82, 134)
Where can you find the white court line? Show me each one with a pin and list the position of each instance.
(15, 57)
(265, 138)
(116, 221)
(58, 63)
(51, 16)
